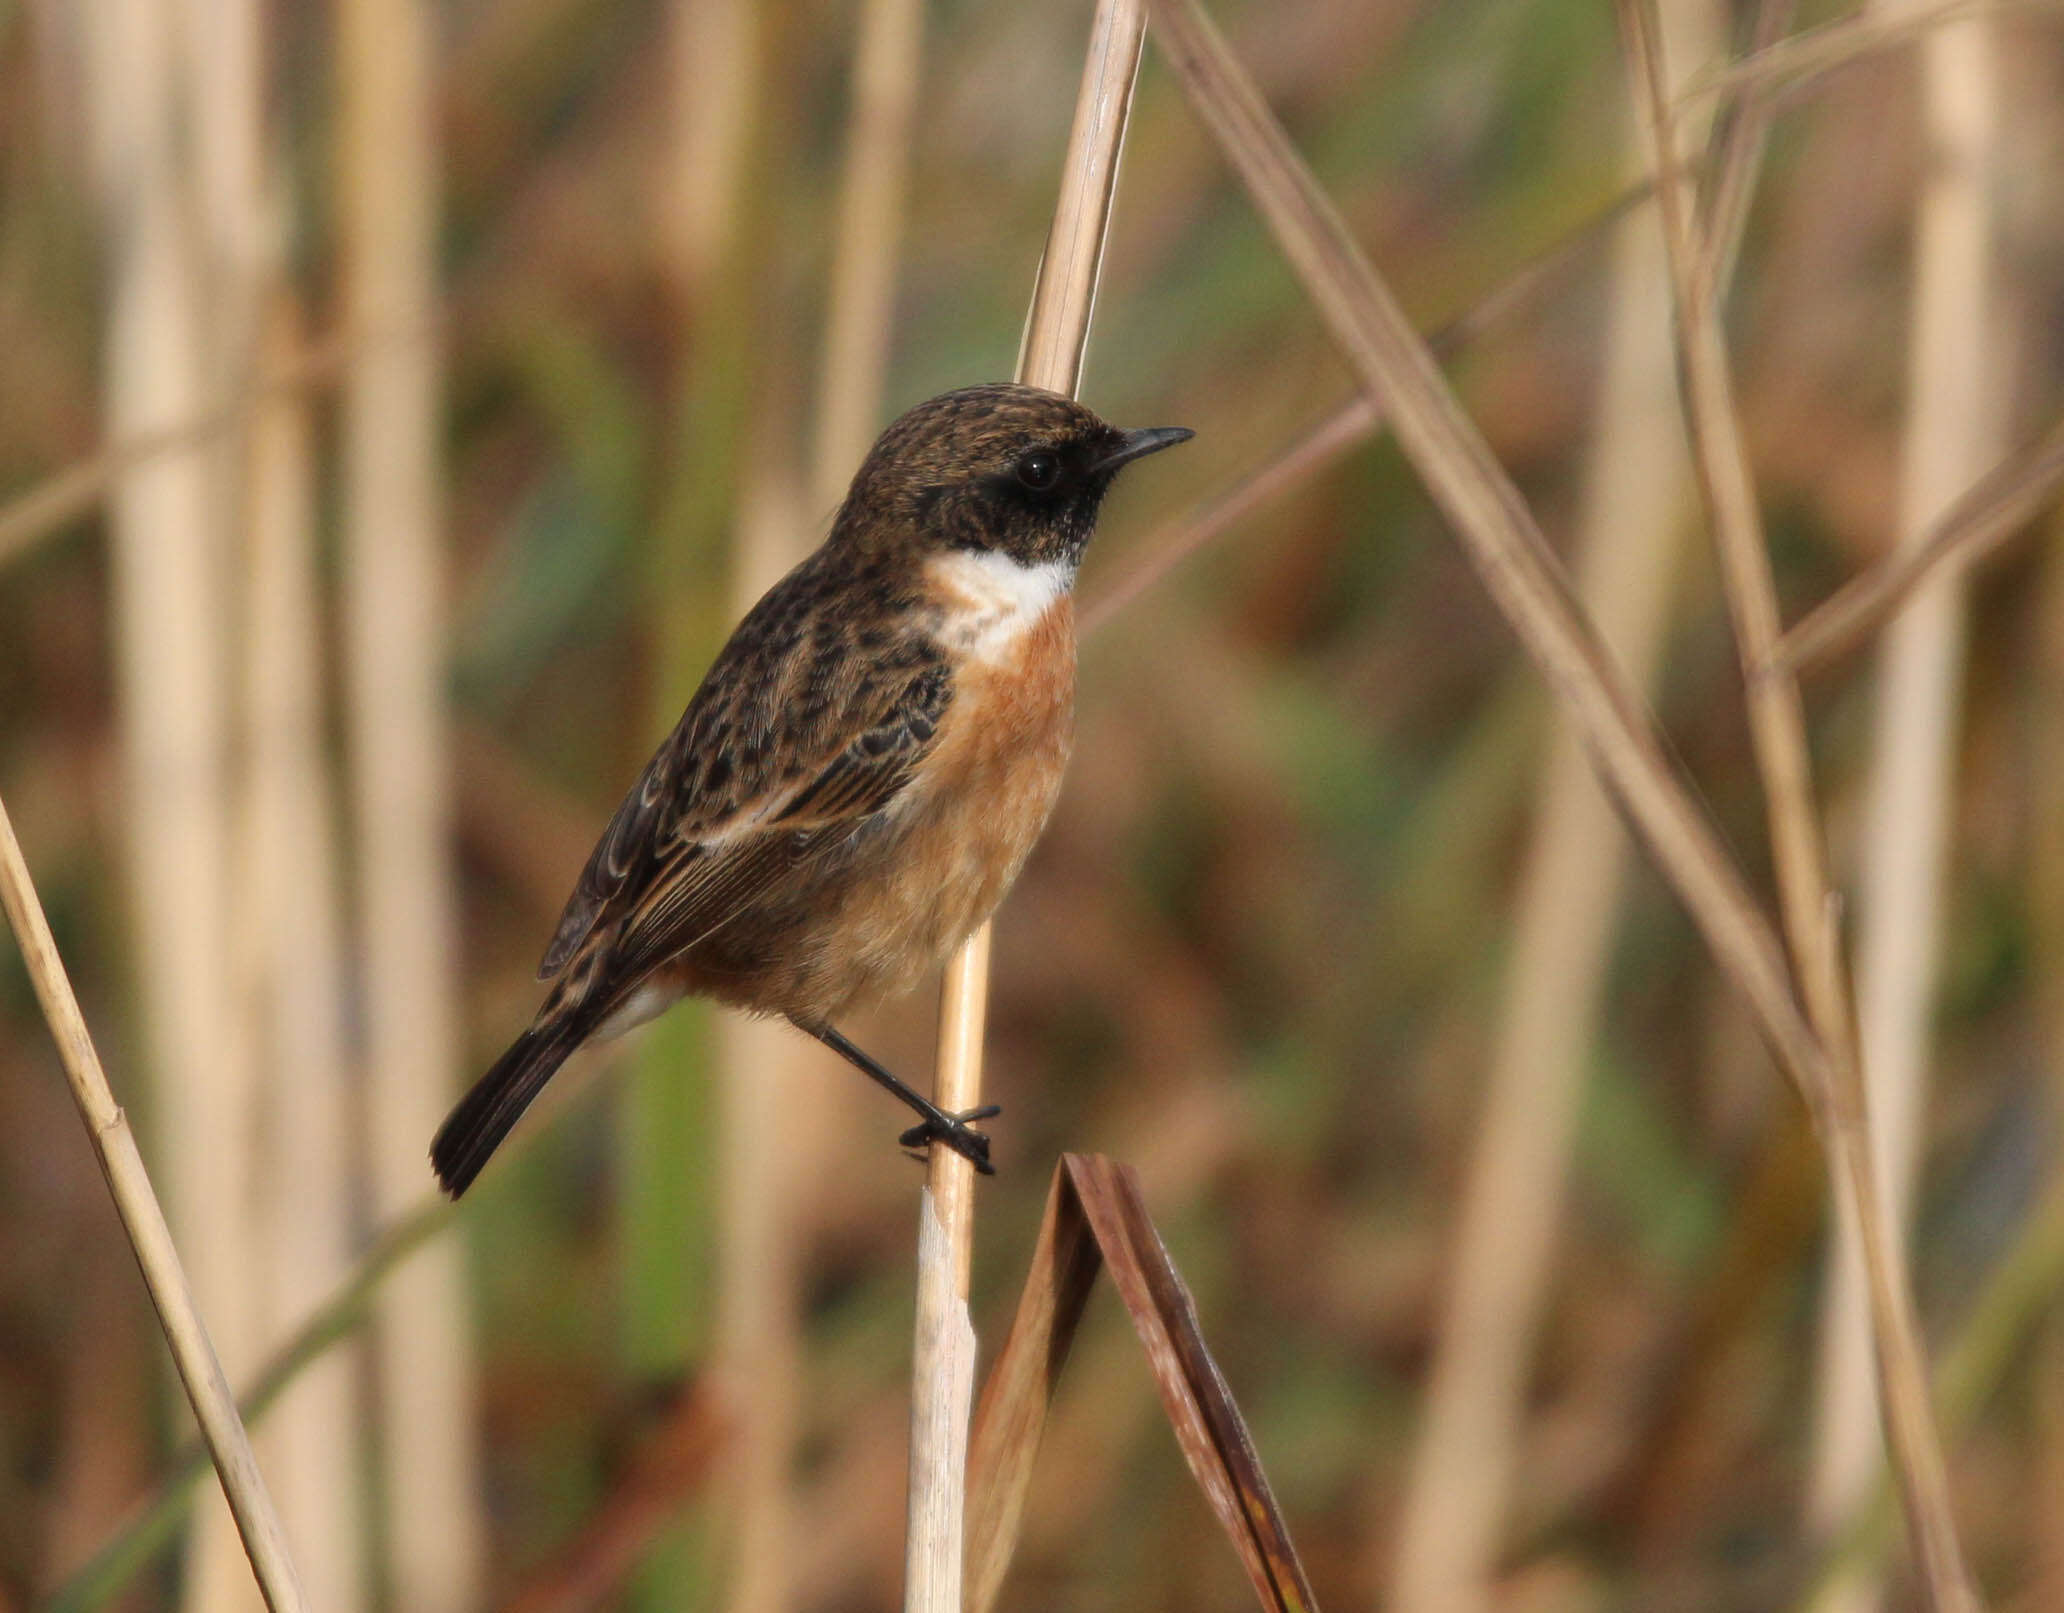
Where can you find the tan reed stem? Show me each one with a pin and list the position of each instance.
(200, 1373)
(1451, 1524)
(1778, 729)
(169, 625)
(1952, 429)
(766, 1183)
(291, 988)
(861, 312)
(1520, 572)
(1526, 581)
(1056, 334)
(396, 722)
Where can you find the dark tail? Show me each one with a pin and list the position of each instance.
(475, 1129)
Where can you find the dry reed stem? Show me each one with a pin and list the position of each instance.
(1778, 731)
(1951, 430)
(200, 1373)
(715, 112)
(942, 1373)
(1520, 571)
(168, 626)
(861, 314)
(1064, 297)
(1776, 716)
(400, 753)
(1997, 506)
(1735, 156)
(1528, 584)
(151, 1523)
(711, 231)
(291, 983)
(282, 1166)
(1056, 333)
(2019, 1297)
(1449, 1527)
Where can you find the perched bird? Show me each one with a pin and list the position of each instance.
(864, 769)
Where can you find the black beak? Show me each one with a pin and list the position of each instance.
(1138, 444)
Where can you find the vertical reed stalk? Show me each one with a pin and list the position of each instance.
(281, 1163)
(1952, 435)
(291, 969)
(171, 675)
(200, 1372)
(861, 314)
(943, 1359)
(1778, 729)
(1637, 480)
(396, 724)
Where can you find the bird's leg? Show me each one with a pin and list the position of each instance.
(954, 1131)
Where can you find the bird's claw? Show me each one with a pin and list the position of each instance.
(958, 1134)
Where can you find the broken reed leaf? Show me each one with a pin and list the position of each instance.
(1998, 505)
(1194, 1392)
(1011, 1416)
(1523, 576)
(1097, 1217)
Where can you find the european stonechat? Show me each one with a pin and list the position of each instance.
(863, 771)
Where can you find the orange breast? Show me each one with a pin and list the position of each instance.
(968, 823)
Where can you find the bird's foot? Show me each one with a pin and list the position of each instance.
(956, 1132)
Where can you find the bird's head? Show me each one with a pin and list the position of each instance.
(1003, 468)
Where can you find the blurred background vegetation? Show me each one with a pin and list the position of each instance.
(1264, 951)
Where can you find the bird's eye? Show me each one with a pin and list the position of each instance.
(1039, 470)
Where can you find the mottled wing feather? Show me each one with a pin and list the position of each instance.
(616, 853)
(722, 757)
(799, 729)
(705, 885)
(866, 775)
